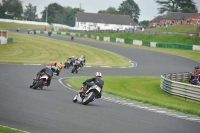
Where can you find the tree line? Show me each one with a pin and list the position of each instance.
(55, 13)
(13, 9)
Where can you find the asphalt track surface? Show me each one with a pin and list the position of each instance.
(51, 110)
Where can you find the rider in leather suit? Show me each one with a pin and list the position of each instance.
(97, 80)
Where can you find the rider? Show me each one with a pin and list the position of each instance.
(72, 36)
(97, 80)
(72, 60)
(47, 71)
(84, 60)
(59, 67)
(81, 60)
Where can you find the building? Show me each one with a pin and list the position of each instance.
(174, 18)
(155, 22)
(94, 21)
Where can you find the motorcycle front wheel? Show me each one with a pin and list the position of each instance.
(74, 68)
(89, 98)
(75, 98)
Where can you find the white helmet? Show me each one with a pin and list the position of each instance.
(98, 74)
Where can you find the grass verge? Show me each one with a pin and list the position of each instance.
(174, 39)
(28, 48)
(10, 25)
(4, 129)
(175, 28)
(143, 89)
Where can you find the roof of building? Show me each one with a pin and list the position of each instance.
(156, 19)
(105, 18)
(178, 15)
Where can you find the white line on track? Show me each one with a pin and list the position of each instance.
(144, 107)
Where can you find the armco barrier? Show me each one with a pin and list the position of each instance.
(112, 39)
(145, 43)
(128, 41)
(101, 38)
(195, 47)
(178, 46)
(9, 40)
(188, 91)
(106, 39)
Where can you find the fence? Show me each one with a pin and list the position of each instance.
(169, 83)
(143, 32)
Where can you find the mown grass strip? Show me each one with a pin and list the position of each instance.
(143, 89)
(28, 48)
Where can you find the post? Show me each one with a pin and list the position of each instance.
(46, 13)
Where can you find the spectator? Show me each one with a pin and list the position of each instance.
(192, 79)
(196, 72)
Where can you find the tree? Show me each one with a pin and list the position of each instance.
(144, 23)
(53, 11)
(59, 14)
(176, 6)
(129, 7)
(30, 12)
(72, 16)
(14, 8)
(110, 10)
(188, 6)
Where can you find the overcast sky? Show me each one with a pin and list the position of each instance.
(148, 7)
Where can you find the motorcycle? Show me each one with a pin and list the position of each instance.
(49, 33)
(72, 38)
(90, 95)
(40, 81)
(53, 68)
(67, 63)
(76, 67)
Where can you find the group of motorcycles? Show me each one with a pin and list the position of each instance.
(77, 65)
(85, 98)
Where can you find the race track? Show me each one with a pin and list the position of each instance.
(51, 110)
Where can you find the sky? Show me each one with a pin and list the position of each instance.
(148, 7)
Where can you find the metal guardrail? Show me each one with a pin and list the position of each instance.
(169, 83)
(142, 32)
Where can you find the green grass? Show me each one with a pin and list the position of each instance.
(175, 28)
(4, 129)
(10, 26)
(40, 50)
(182, 39)
(143, 89)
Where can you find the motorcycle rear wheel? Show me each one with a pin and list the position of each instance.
(40, 83)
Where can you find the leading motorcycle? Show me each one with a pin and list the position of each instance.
(39, 81)
(90, 95)
(76, 67)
